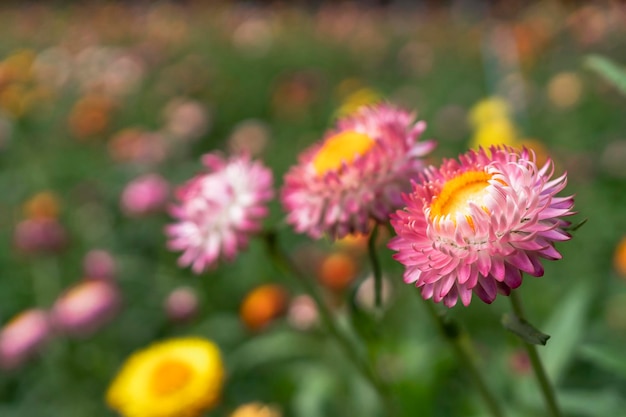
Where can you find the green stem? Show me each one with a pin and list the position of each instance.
(546, 388)
(378, 276)
(46, 281)
(284, 263)
(452, 334)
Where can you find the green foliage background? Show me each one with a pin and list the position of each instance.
(579, 302)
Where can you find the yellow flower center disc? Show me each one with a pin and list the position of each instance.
(343, 147)
(458, 192)
(170, 376)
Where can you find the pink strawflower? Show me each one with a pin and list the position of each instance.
(219, 210)
(85, 308)
(39, 236)
(99, 264)
(357, 173)
(181, 304)
(475, 225)
(144, 195)
(302, 313)
(22, 337)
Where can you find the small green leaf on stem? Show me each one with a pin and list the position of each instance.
(609, 70)
(526, 331)
(577, 226)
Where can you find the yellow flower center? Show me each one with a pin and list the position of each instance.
(343, 147)
(456, 194)
(170, 376)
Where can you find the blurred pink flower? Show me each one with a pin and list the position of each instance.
(99, 264)
(22, 337)
(186, 119)
(144, 195)
(365, 295)
(181, 304)
(40, 235)
(219, 210)
(136, 145)
(302, 313)
(357, 173)
(477, 224)
(251, 136)
(85, 307)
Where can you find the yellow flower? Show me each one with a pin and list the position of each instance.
(175, 378)
(496, 132)
(353, 95)
(492, 123)
(489, 110)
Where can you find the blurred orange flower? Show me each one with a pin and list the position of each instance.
(337, 271)
(90, 116)
(43, 205)
(619, 258)
(262, 305)
(256, 410)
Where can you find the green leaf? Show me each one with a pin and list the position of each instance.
(607, 69)
(566, 325)
(315, 388)
(592, 403)
(605, 358)
(277, 346)
(526, 331)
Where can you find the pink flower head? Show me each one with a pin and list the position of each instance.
(181, 304)
(144, 195)
(22, 337)
(357, 173)
(475, 225)
(37, 236)
(99, 264)
(85, 307)
(219, 210)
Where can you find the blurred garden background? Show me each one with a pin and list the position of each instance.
(100, 102)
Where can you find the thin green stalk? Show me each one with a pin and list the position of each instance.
(284, 263)
(378, 276)
(46, 281)
(546, 388)
(451, 333)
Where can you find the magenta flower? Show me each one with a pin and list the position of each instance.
(40, 236)
(219, 210)
(475, 225)
(357, 173)
(85, 308)
(22, 337)
(144, 195)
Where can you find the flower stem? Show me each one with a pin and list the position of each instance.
(286, 265)
(546, 388)
(452, 334)
(378, 276)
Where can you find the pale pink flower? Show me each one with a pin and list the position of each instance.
(365, 295)
(219, 210)
(475, 225)
(145, 195)
(181, 304)
(185, 119)
(85, 307)
(302, 313)
(357, 173)
(99, 264)
(22, 337)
